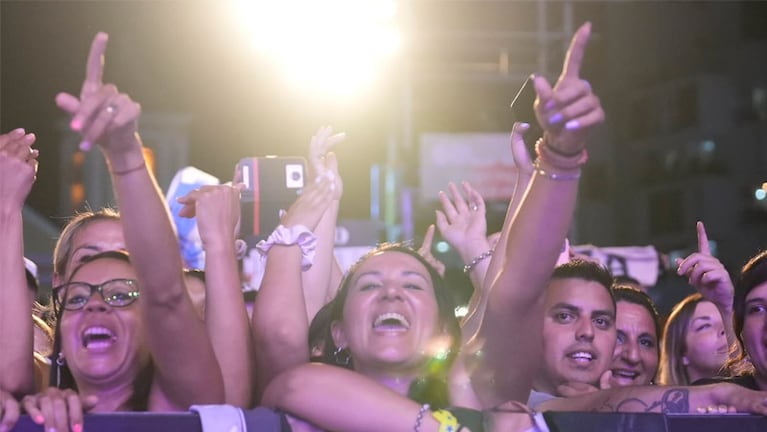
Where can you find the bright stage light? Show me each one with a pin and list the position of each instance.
(335, 46)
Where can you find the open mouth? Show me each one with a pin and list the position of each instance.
(391, 321)
(582, 357)
(625, 374)
(98, 338)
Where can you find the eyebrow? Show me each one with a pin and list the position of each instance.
(566, 306)
(609, 313)
(378, 274)
(88, 247)
(755, 300)
(704, 317)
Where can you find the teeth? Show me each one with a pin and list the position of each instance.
(625, 374)
(582, 355)
(97, 331)
(391, 316)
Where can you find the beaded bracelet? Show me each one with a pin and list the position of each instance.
(470, 266)
(545, 152)
(419, 417)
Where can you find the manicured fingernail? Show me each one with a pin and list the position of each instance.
(85, 146)
(556, 118)
(38, 419)
(549, 105)
(524, 126)
(77, 427)
(18, 132)
(572, 125)
(76, 125)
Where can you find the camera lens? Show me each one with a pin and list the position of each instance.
(296, 176)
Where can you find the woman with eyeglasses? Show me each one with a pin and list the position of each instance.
(123, 352)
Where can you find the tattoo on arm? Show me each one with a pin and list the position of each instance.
(675, 400)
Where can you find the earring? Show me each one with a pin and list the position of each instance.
(341, 356)
(59, 364)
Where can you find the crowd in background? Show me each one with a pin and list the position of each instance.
(378, 347)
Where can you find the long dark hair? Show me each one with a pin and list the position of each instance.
(432, 386)
(60, 375)
(753, 274)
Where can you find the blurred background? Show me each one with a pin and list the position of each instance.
(422, 89)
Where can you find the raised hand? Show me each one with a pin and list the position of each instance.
(522, 159)
(217, 208)
(462, 220)
(569, 110)
(58, 410)
(425, 251)
(101, 114)
(18, 167)
(307, 210)
(322, 162)
(706, 273)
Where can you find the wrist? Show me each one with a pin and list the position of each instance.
(471, 249)
(288, 236)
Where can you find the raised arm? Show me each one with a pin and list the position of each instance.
(104, 116)
(280, 325)
(505, 354)
(321, 280)
(217, 209)
(18, 166)
(711, 280)
(462, 222)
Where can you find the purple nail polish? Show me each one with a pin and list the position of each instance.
(549, 105)
(556, 118)
(85, 146)
(572, 125)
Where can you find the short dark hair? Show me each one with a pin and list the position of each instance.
(588, 271)
(629, 294)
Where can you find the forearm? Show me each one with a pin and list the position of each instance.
(16, 362)
(177, 334)
(729, 330)
(516, 296)
(478, 299)
(349, 401)
(658, 399)
(227, 323)
(280, 327)
(316, 280)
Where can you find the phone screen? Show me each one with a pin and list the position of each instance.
(522, 111)
(271, 184)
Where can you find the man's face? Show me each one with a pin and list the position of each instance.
(578, 333)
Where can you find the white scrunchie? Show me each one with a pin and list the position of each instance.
(295, 235)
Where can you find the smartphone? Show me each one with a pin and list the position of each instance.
(522, 111)
(272, 184)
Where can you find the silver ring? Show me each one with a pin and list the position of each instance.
(110, 109)
(474, 207)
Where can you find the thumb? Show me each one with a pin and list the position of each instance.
(522, 158)
(89, 402)
(543, 89)
(604, 380)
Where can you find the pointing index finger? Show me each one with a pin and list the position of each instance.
(574, 58)
(94, 70)
(702, 239)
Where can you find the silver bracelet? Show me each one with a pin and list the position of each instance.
(555, 176)
(419, 417)
(470, 266)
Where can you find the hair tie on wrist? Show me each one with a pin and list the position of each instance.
(296, 235)
(128, 170)
(557, 159)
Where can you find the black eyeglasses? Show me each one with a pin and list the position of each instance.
(116, 293)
